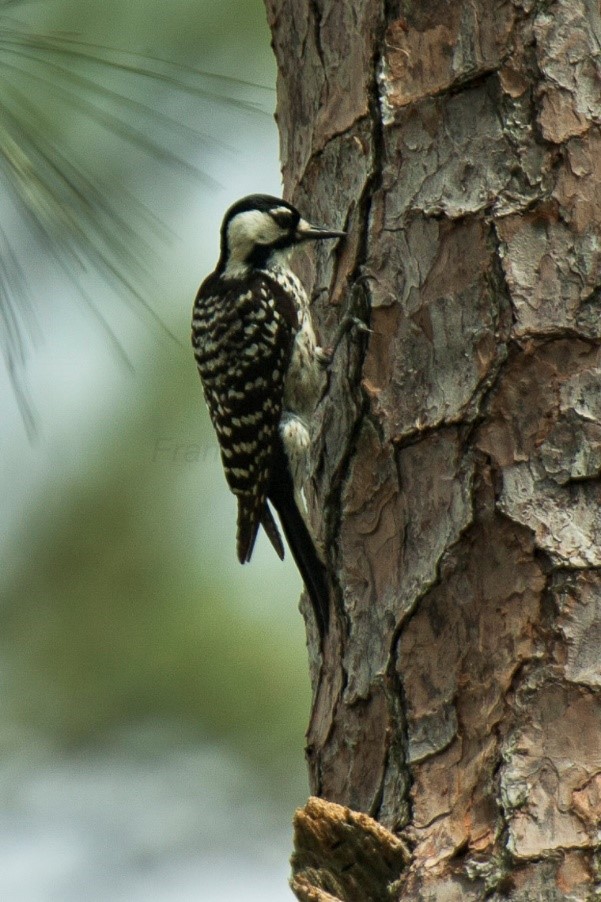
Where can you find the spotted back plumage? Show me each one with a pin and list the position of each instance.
(242, 334)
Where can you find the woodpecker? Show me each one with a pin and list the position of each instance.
(262, 374)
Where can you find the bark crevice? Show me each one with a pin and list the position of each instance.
(459, 446)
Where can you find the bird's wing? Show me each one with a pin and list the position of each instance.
(243, 341)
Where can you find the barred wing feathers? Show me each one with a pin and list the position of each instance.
(242, 333)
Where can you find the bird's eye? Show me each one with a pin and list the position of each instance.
(283, 218)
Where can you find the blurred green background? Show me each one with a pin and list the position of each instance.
(130, 638)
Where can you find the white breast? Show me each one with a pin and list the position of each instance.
(305, 377)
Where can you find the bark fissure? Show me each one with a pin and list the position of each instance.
(459, 445)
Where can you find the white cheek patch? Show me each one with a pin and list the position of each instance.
(250, 228)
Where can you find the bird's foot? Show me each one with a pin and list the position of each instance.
(348, 323)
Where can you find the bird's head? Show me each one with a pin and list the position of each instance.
(260, 231)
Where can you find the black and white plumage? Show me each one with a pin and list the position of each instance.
(262, 374)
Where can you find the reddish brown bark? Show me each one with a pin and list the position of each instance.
(458, 449)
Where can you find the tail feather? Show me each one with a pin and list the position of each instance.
(249, 520)
(310, 566)
(273, 533)
(251, 515)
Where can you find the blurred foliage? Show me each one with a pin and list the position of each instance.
(107, 624)
(106, 619)
(73, 83)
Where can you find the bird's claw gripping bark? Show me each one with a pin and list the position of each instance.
(348, 323)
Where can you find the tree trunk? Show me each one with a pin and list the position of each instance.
(458, 448)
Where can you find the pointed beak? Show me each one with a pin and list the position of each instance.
(307, 232)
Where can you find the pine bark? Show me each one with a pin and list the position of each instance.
(458, 448)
